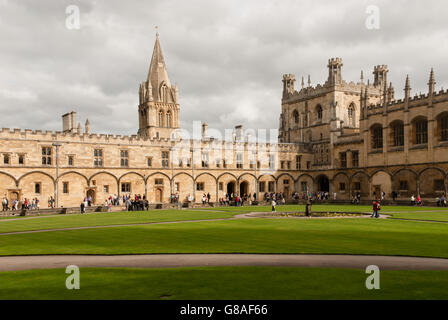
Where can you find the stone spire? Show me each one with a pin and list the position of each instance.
(309, 81)
(303, 83)
(407, 93)
(79, 128)
(390, 93)
(361, 103)
(87, 127)
(158, 74)
(407, 89)
(432, 82)
(362, 76)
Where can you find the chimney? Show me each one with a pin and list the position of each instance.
(204, 130)
(69, 122)
(239, 132)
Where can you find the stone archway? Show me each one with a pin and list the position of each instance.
(91, 194)
(231, 188)
(323, 183)
(244, 188)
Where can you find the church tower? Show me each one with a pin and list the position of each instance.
(158, 109)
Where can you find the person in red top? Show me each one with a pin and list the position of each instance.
(376, 208)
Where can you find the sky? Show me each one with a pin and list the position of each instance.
(227, 57)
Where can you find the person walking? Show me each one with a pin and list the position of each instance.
(376, 208)
(273, 205)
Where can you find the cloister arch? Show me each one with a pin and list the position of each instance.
(360, 183)
(27, 185)
(9, 188)
(431, 182)
(341, 185)
(183, 184)
(381, 181)
(404, 182)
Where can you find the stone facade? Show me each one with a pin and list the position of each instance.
(337, 137)
(364, 140)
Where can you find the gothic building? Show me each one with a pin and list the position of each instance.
(339, 137)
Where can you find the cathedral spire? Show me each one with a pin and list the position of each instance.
(158, 74)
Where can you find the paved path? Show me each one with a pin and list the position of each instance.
(10, 263)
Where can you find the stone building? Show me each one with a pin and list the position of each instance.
(336, 137)
(362, 140)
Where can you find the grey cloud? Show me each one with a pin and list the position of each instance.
(227, 56)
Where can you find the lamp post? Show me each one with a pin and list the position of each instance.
(57, 145)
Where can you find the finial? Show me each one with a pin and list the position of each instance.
(309, 81)
(362, 76)
(431, 76)
(407, 85)
(303, 82)
(157, 31)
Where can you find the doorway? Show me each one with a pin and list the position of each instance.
(244, 188)
(13, 195)
(91, 194)
(230, 188)
(323, 183)
(159, 194)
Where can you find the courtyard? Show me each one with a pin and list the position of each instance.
(227, 253)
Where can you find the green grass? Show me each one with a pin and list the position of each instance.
(344, 236)
(116, 218)
(103, 219)
(223, 283)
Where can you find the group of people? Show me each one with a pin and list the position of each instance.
(26, 204)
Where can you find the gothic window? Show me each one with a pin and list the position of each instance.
(165, 159)
(319, 112)
(351, 115)
(204, 160)
(164, 92)
(239, 160)
(444, 128)
(168, 119)
(160, 118)
(421, 132)
(398, 134)
(98, 158)
(46, 155)
(296, 116)
(355, 159)
(377, 137)
(124, 158)
(343, 158)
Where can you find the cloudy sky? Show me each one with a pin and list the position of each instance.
(227, 56)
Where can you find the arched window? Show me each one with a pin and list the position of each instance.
(295, 115)
(319, 112)
(168, 119)
(443, 127)
(160, 118)
(421, 131)
(164, 92)
(351, 115)
(397, 137)
(377, 136)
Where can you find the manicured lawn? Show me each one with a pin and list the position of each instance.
(223, 283)
(110, 218)
(350, 236)
(115, 218)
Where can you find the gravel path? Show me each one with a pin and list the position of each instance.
(11, 263)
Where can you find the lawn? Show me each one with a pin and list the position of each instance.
(116, 218)
(349, 236)
(109, 218)
(223, 283)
